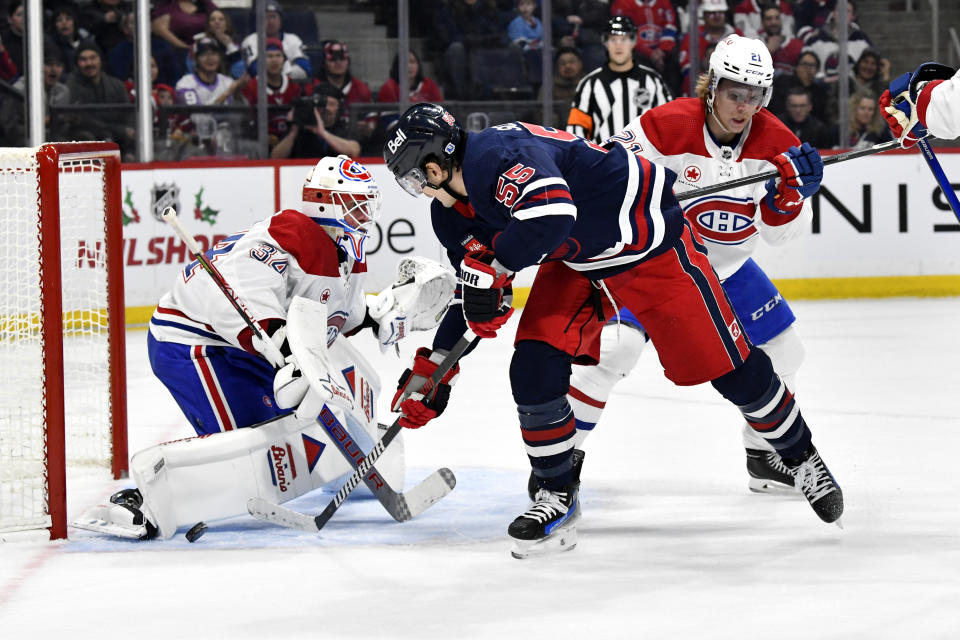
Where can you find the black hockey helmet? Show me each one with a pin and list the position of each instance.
(425, 132)
(620, 26)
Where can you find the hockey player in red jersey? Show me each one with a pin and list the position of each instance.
(723, 134)
(926, 100)
(607, 231)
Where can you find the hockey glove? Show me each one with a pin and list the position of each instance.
(415, 302)
(801, 170)
(420, 406)
(901, 114)
(903, 105)
(487, 293)
(289, 385)
(276, 352)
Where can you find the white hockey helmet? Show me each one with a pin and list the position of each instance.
(340, 193)
(743, 60)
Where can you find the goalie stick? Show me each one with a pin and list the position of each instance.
(400, 506)
(766, 175)
(270, 512)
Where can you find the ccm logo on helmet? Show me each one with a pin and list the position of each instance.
(397, 141)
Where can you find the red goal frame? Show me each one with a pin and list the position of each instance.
(49, 157)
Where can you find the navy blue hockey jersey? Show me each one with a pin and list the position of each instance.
(539, 194)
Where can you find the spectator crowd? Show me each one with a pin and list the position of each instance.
(205, 59)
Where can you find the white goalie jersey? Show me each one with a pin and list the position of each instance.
(284, 256)
(730, 222)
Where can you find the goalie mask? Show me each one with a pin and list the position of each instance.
(746, 62)
(341, 195)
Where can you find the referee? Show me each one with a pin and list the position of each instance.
(610, 97)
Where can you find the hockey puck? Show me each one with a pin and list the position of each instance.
(196, 531)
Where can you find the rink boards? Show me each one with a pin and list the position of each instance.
(880, 227)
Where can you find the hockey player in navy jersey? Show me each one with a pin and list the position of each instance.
(723, 134)
(226, 379)
(607, 232)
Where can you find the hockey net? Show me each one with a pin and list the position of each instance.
(62, 375)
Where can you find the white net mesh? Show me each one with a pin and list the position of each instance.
(23, 405)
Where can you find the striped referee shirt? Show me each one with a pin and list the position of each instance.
(607, 101)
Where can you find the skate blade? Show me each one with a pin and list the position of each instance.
(559, 542)
(760, 485)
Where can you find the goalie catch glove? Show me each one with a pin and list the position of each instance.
(801, 170)
(420, 406)
(417, 301)
(487, 293)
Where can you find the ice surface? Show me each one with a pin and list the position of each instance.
(671, 543)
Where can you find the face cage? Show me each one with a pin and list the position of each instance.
(359, 210)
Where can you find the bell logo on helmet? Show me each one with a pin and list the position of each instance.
(449, 149)
(397, 141)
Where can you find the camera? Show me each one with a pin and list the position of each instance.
(303, 109)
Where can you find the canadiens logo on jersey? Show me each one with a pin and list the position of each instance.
(723, 220)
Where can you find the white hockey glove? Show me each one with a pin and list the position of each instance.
(289, 385)
(417, 301)
(275, 348)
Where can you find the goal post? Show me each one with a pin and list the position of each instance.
(63, 374)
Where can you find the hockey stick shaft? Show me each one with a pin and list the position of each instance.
(940, 176)
(171, 218)
(445, 365)
(766, 175)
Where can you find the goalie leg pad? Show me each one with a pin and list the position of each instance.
(212, 477)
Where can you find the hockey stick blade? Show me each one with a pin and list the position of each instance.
(448, 362)
(406, 505)
(269, 512)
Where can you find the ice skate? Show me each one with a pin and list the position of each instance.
(578, 456)
(547, 526)
(122, 517)
(768, 473)
(815, 481)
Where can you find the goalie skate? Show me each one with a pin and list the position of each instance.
(768, 473)
(122, 517)
(549, 526)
